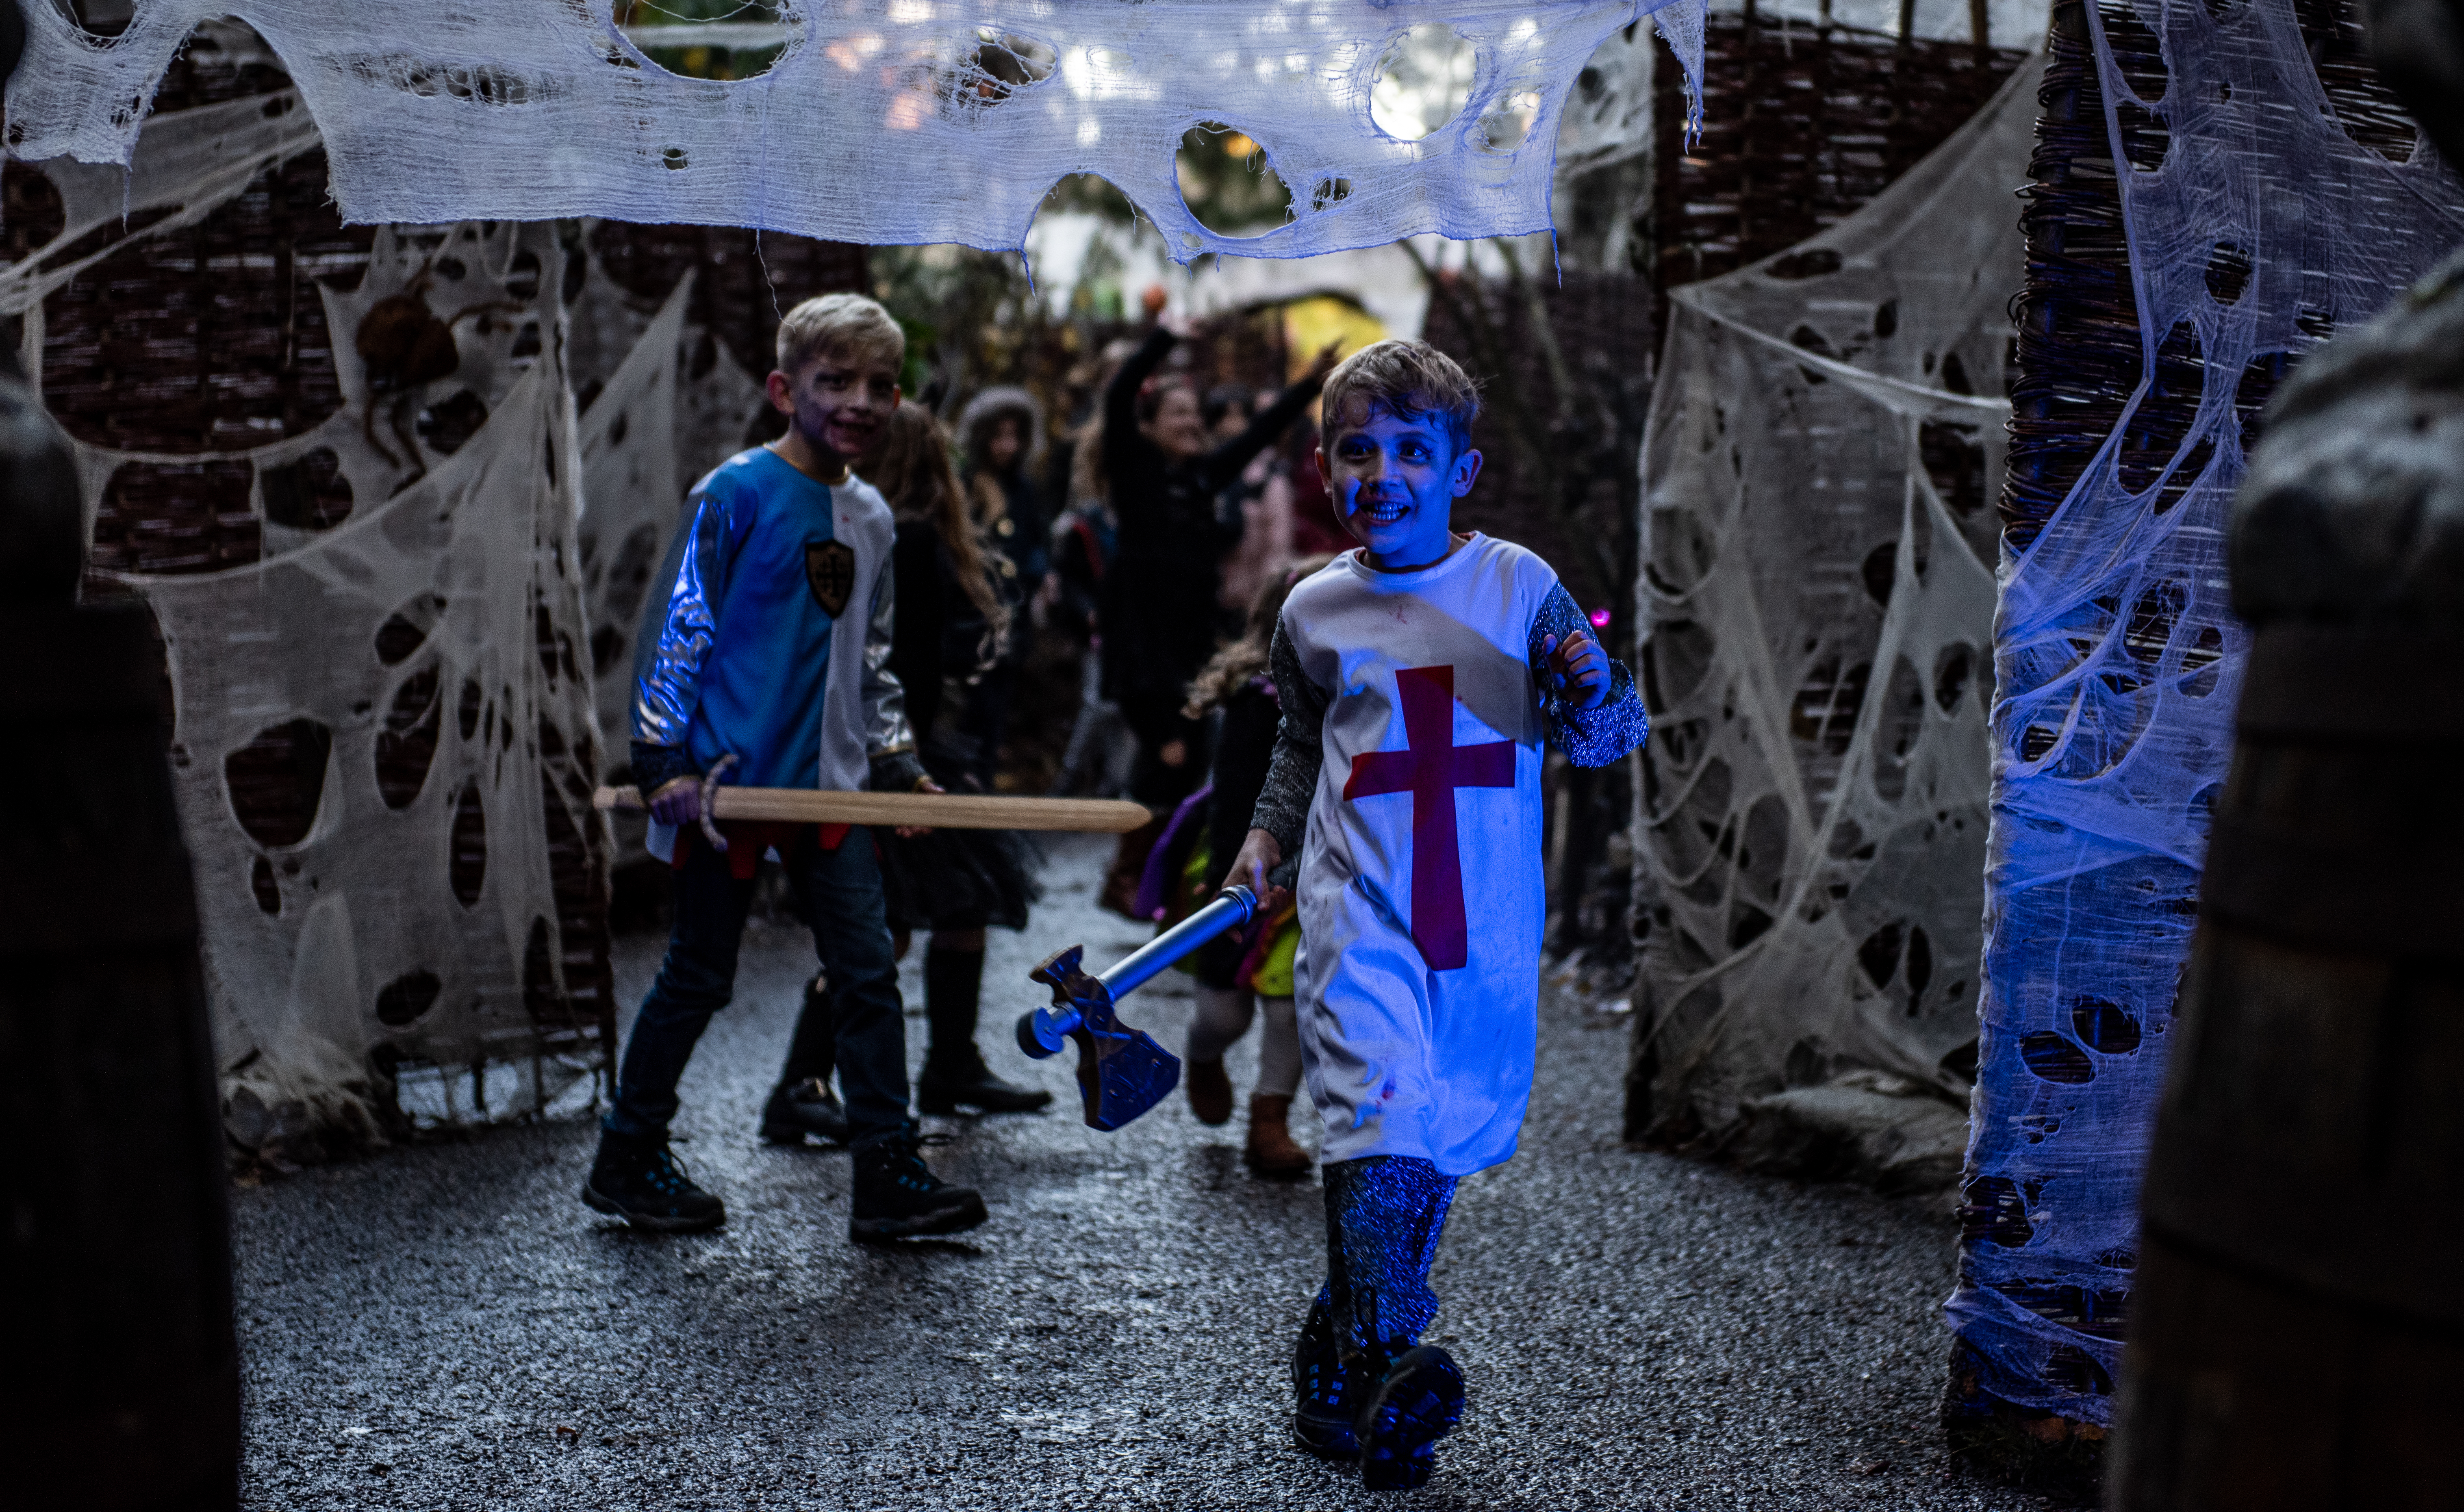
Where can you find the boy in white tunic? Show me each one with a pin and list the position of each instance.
(1420, 677)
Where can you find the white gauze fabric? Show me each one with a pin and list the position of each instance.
(1817, 621)
(417, 620)
(876, 124)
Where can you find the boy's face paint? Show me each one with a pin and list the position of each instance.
(838, 402)
(1394, 481)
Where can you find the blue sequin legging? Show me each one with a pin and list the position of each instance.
(1383, 1216)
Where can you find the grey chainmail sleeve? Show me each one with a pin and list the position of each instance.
(1292, 777)
(1589, 736)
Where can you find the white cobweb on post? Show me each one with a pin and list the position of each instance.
(878, 124)
(1825, 438)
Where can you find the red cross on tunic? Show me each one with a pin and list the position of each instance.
(1430, 770)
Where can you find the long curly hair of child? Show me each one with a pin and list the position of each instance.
(912, 471)
(1236, 662)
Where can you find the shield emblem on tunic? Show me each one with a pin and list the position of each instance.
(829, 570)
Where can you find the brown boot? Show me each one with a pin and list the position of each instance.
(1271, 1151)
(1129, 868)
(1210, 1091)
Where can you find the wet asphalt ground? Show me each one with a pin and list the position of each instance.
(447, 1326)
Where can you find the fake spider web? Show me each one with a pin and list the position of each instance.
(1817, 609)
(878, 124)
(2269, 192)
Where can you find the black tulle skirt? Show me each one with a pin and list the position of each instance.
(958, 879)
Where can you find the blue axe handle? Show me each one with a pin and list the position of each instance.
(1121, 1071)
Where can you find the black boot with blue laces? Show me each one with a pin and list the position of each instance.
(640, 1181)
(897, 1198)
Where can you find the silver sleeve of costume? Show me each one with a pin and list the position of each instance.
(885, 703)
(678, 626)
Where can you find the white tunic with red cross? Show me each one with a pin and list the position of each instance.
(1420, 887)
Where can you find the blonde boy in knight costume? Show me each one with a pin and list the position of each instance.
(1420, 677)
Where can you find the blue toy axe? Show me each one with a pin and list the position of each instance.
(1121, 1071)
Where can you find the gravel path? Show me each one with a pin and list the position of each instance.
(447, 1326)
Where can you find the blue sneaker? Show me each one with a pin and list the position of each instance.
(1418, 1401)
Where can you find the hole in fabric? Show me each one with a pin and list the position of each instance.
(261, 883)
(177, 517)
(466, 867)
(1762, 852)
(1422, 81)
(1674, 661)
(1227, 183)
(675, 160)
(2228, 273)
(276, 781)
(1881, 565)
(2317, 324)
(32, 212)
(2156, 427)
(2107, 1028)
(526, 342)
(1827, 704)
(606, 646)
(1952, 667)
(2206, 649)
(1805, 1065)
(543, 641)
(1507, 123)
(1745, 924)
(522, 277)
(1904, 701)
(406, 746)
(1960, 1061)
(1920, 971)
(1845, 837)
(100, 18)
(1815, 262)
(2055, 1059)
(2259, 378)
(1886, 319)
(1880, 955)
(447, 426)
(1994, 1209)
(401, 1002)
(2073, 1369)
(1806, 338)
(2149, 629)
(466, 716)
(721, 39)
(450, 269)
(2036, 740)
(618, 430)
(308, 492)
(540, 995)
(1954, 459)
(2185, 474)
(997, 67)
(577, 273)
(1954, 376)
(551, 739)
(1330, 192)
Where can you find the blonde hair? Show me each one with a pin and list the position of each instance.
(839, 322)
(1245, 658)
(1408, 380)
(913, 473)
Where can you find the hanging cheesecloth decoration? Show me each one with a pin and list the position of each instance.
(877, 124)
(1817, 601)
(2256, 223)
(383, 742)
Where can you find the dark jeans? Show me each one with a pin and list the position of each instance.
(1383, 1217)
(842, 889)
